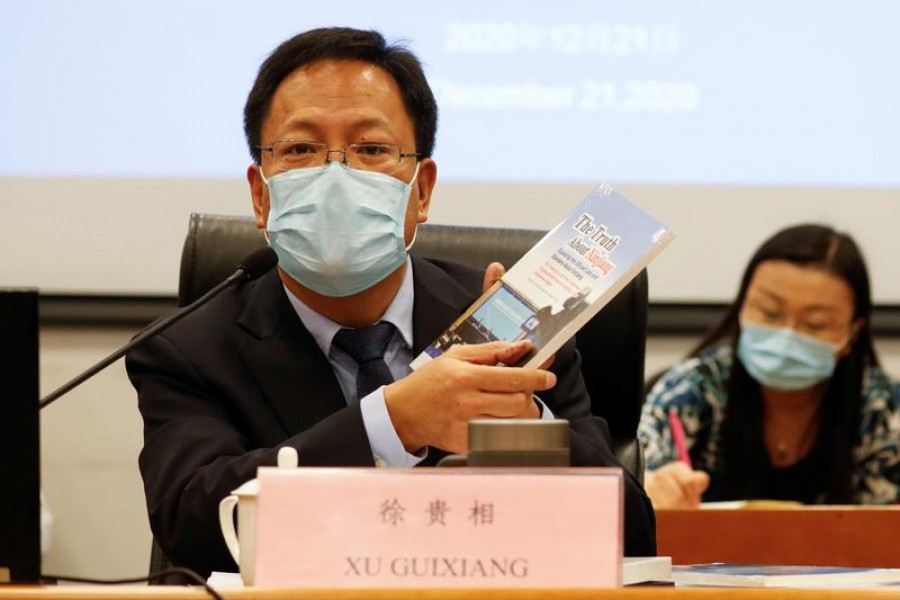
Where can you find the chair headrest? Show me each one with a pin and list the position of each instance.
(216, 244)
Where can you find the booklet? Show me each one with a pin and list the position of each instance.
(563, 281)
(735, 575)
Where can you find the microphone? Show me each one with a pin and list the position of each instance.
(253, 266)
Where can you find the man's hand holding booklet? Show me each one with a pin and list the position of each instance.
(563, 281)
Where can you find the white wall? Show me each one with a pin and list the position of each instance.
(131, 231)
(91, 438)
(90, 441)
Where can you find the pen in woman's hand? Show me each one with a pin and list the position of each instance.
(678, 438)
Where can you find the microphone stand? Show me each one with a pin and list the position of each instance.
(150, 332)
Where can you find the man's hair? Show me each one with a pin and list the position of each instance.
(342, 43)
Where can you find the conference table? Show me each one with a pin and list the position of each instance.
(631, 593)
(842, 536)
(809, 535)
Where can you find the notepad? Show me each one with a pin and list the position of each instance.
(645, 569)
(737, 575)
(750, 504)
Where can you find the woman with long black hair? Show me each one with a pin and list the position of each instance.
(785, 398)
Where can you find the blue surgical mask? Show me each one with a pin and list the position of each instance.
(782, 359)
(337, 231)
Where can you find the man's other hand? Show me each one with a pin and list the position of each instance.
(433, 405)
(492, 275)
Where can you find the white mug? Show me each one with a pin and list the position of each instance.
(242, 543)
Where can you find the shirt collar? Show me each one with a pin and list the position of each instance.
(398, 313)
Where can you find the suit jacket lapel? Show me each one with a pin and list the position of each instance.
(439, 300)
(296, 378)
(289, 367)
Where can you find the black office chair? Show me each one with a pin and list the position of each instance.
(612, 344)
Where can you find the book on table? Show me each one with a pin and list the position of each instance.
(739, 575)
(563, 281)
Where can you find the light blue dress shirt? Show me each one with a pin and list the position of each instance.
(387, 449)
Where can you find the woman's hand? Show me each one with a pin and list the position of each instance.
(675, 485)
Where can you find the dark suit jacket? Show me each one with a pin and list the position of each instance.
(228, 385)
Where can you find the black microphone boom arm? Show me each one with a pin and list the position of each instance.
(254, 265)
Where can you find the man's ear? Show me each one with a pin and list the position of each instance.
(259, 194)
(424, 187)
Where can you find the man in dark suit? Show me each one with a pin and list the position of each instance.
(341, 128)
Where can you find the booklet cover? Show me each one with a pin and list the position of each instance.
(736, 575)
(563, 281)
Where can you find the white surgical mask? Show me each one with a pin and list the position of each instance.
(337, 231)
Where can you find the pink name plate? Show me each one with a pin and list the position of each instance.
(439, 528)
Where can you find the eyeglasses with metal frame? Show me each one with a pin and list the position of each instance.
(294, 154)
